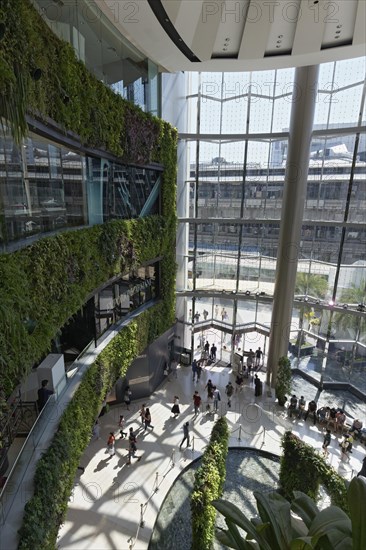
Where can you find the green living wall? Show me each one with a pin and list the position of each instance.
(43, 285)
(66, 92)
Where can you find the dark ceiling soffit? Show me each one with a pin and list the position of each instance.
(164, 20)
(51, 130)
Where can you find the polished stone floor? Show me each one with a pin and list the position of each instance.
(115, 505)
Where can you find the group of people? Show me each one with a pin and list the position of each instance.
(333, 418)
(254, 358)
(132, 443)
(145, 417)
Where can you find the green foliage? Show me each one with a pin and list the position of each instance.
(302, 469)
(100, 117)
(56, 469)
(43, 285)
(350, 324)
(278, 529)
(284, 379)
(311, 285)
(208, 485)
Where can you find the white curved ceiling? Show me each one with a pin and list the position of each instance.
(237, 35)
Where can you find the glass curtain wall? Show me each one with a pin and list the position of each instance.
(235, 180)
(46, 187)
(106, 53)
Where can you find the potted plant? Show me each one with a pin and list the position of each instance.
(284, 380)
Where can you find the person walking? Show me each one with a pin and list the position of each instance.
(257, 386)
(147, 419)
(175, 408)
(43, 394)
(258, 357)
(142, 413)
(229, 390)
(196, 403)
(96, 431)
(111, 445)
(132, 446)
(216, 311)
(173, 368)
(121, 424)
(185, 435)
(209, 388)
(199, 370)
(194, 370)
(250, 359)
(213, 352)
(326, 442)
(127, 397)
(216, 398)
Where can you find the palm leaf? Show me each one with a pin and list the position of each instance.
(234, 515)
(304, 507)
(273, 508)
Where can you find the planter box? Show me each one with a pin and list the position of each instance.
(306, 349)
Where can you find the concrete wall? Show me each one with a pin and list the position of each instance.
(146, 371)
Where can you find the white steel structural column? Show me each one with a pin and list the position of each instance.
(294, 196)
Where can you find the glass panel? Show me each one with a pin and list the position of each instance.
(210, 116)
(352, 284)
(283, 99)
(324, 97)
(234, 113)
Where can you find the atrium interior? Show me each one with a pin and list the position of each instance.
(173, 173)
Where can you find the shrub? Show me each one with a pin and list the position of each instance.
(208, 485)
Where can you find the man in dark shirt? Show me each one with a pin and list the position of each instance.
(43, 394)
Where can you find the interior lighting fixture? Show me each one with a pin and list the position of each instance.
(361, 307)
(257, 293)
(306, 299)
(345, 306)
(331, 303)
(247, 293)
